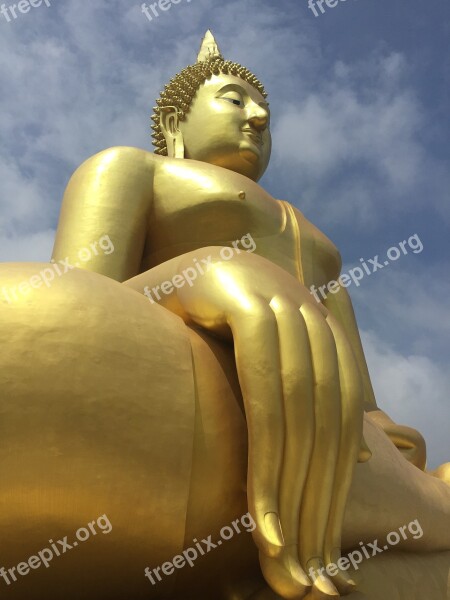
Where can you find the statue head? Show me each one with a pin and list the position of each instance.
(214, 111)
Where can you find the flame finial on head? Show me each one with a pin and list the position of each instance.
(209, 48)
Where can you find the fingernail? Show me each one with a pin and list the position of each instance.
(273, 528)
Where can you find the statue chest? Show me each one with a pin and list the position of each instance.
(196, 204)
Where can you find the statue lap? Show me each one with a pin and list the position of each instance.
(91, 375)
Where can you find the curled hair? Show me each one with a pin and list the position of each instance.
(182, 88)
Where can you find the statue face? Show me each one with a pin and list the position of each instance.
(228, 125)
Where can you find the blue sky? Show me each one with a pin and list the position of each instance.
(359, 98)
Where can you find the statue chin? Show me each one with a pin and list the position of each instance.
(246, 161)
(90, 427)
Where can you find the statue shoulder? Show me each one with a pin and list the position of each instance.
(117, 175)
(124, 159)
(317, 250)
(110, 192)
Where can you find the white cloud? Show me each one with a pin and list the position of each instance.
(375, 121)
(412, 391)
(361, 120)
(20, 200)
(406, 304)
(36, 247)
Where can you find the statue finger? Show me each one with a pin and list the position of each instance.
(284, 572)
(321, 482)
(255, 335)
(349, 448)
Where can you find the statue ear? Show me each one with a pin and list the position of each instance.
(169, 126)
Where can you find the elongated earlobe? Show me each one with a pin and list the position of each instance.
(174, 138)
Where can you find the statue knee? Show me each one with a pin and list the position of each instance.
(412, 445)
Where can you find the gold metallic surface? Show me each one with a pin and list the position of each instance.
(178, 410)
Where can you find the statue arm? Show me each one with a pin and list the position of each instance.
(340, 306)
(108, 195)
(409, 441)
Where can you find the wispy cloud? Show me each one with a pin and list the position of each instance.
(355, 143)
(413, 391)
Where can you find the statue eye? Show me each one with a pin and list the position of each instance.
(236, 101)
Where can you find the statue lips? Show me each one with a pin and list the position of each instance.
(254, 136)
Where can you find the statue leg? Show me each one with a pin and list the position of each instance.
(97, 404)
(112, 406)
(388, 492)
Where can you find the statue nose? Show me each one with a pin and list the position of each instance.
(259, 122)
(257, 115)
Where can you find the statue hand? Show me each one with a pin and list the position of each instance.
(303, 402)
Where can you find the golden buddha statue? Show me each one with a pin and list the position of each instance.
(175, 387)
